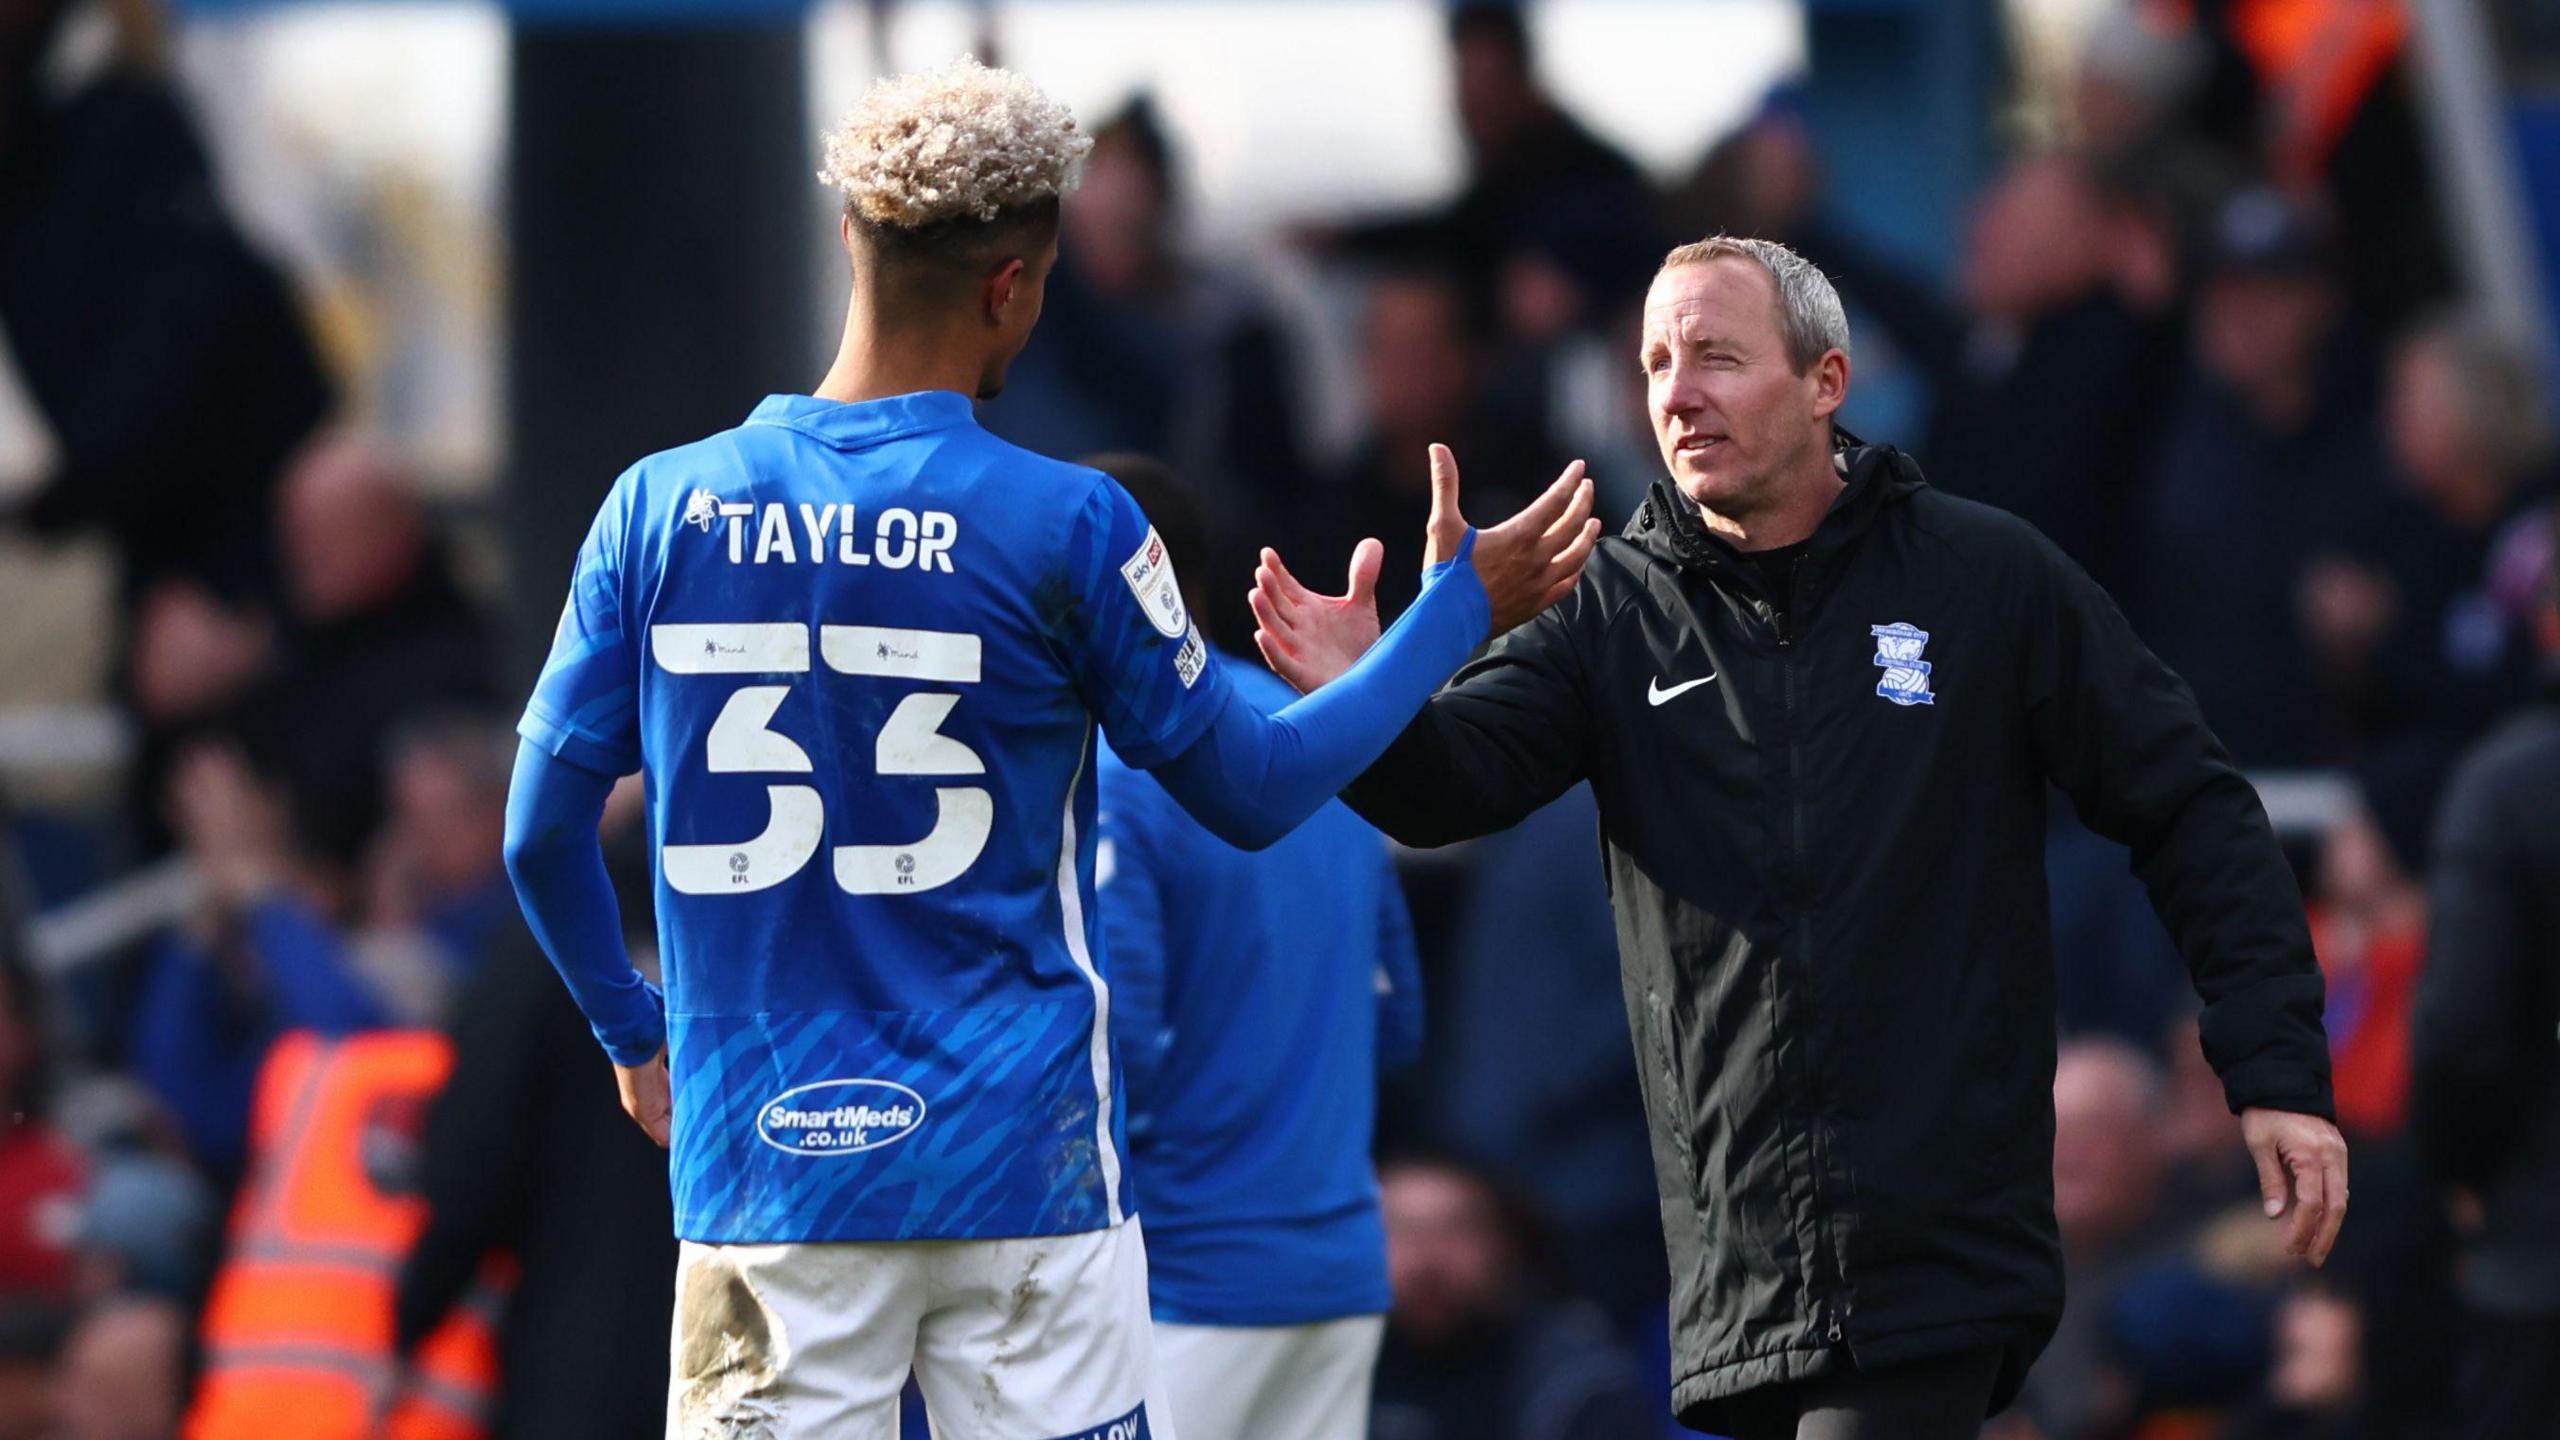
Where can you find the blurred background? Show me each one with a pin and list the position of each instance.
(324, 327)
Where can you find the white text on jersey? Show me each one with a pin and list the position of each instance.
(898, 538)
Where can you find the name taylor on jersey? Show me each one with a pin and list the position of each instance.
(896, 538)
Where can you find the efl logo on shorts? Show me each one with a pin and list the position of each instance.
(839, 1117)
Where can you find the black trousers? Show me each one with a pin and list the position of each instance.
(1940, 1398)
(2508, 1380)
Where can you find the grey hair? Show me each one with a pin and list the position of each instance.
(1809, 312)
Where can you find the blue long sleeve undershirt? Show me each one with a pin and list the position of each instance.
(1251, 778)
(557, 864)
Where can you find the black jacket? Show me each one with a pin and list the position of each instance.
(2486, 1041)
(1828, 876)
(528, 1152)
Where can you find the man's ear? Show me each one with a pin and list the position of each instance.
(1830, 383)
(844, 230)
(1002, 286)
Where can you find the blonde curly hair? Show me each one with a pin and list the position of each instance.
(960, 143)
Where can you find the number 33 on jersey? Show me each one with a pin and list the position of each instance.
(860, 652)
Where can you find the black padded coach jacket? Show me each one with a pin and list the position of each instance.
(1823, 825)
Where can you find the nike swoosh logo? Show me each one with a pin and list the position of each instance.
(1654, 694)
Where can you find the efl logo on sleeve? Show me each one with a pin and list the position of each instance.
(1150, 577)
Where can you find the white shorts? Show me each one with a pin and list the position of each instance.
(1297, 1382)
(1032, 1339)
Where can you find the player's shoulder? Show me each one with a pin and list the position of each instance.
(1040, 484)
(711, 466)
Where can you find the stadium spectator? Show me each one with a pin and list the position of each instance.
(2267, 461)
(258, 957)
(1764, 177)
(164, 352)
(528, 1154)
(1423, 371)
(2338, 116)
(297, 1321)
(373, 630)
(378, 633)
(123, 1371)
(2107, 1174)
(2052, 387)
(1478, 1345)
(2486, 1067)
(2315, 1383)
(2428, 628)
(1257, 997)
(1532, 168)
(435, 879)
(280, 944)
(1146, 347)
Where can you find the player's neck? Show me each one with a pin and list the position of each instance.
(875, 361)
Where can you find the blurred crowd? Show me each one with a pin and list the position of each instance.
(2203, 335)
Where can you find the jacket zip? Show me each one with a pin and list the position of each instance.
(1832, 1331)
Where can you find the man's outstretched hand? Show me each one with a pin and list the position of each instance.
(2302, 1171)
(1525, 564)
(1307, 639)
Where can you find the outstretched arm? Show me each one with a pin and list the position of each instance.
(1252, 777)
(1507, 736)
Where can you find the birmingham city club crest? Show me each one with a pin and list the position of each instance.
(1906, 675)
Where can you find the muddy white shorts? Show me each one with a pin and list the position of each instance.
(1032, 1339)
(1293, 1382)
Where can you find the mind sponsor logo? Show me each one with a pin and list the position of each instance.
(839, 1117)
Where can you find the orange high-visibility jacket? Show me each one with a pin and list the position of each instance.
(298, 1330)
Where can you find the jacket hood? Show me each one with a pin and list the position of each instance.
(1667, 523)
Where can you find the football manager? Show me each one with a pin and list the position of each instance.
(1821, 705)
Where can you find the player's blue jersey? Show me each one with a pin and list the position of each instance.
(1259, 995)
(859, 652)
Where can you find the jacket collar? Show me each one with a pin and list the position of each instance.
(851, 426)
(1668, 522)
